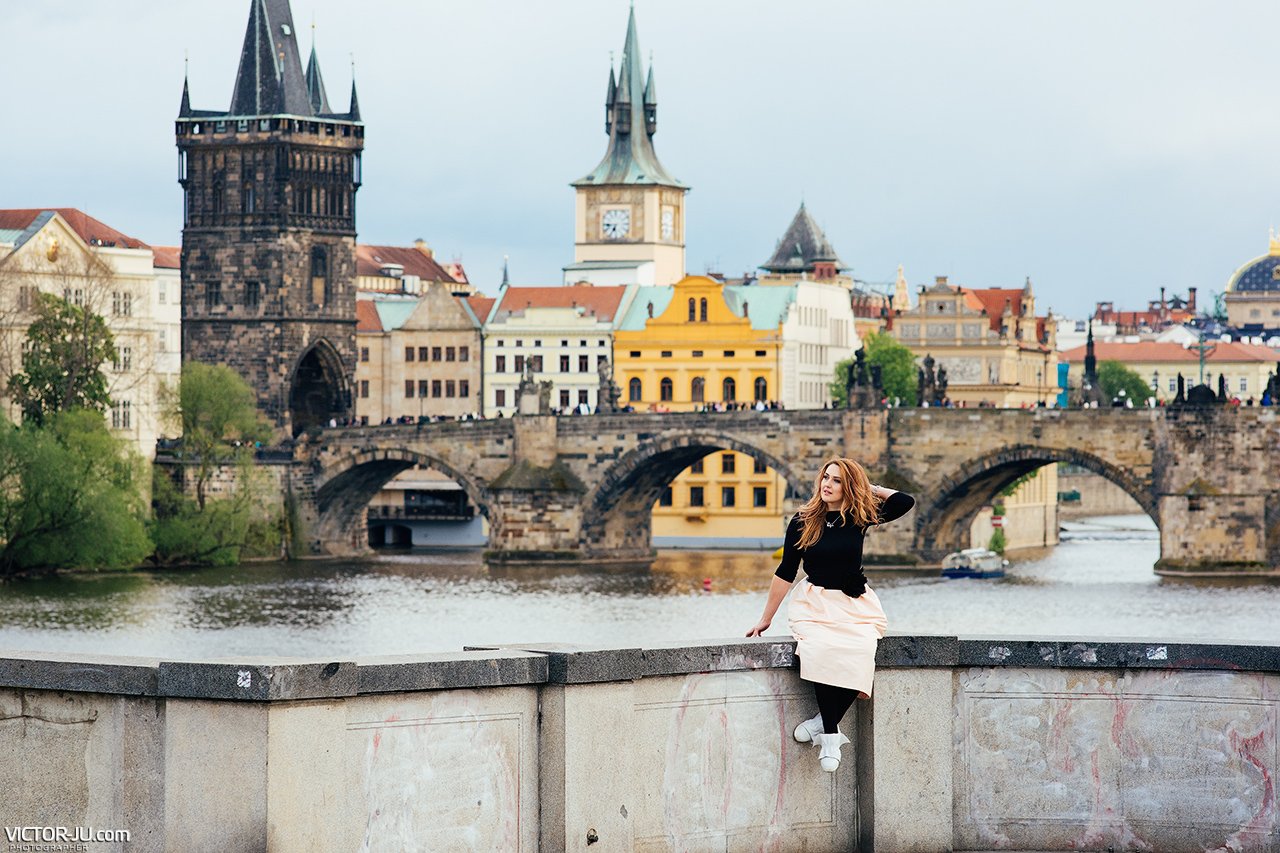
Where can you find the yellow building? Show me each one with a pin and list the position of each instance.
(701, 344)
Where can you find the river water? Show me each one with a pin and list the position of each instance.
(1097, 583)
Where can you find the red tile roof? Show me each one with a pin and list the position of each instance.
(481, 305)
(603, 302)
(1138, 319)
(367, 319)
(992, 301)
(370, 260)
(1148, 351)
(168, 257)
(90, 230)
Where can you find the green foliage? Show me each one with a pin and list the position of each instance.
(68, 496)
(62, 359)
(1114, 376)
(222, 532)
(897, 370)
(998, 541)
(1007, 491)
(219, 417)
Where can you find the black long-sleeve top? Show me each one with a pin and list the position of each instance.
(835, 560)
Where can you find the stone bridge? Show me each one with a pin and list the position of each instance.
(583, 487)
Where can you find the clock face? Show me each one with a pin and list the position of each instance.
(669, 224)
(616, 223)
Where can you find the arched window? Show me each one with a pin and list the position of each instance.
(633, 390)
(702, 310)
(692, 310)
(698, 390)
(762, 388)
(665, 388)
(319, 276)
(730, 389)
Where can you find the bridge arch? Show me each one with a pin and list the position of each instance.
(943, 519)
(346, 486)
(617, 511)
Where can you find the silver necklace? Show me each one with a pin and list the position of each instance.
(831, 523)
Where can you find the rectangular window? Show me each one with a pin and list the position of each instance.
(665, 498)
(727, 497)
(500, 364)
(450, 353)
(582, 397)
(697, 353)
(519, 364)
(584, 363)
(727, 463)
(464, 353)
(364, 354)
(500, 397)
(123, 360)
(696, 468)
(536, 360)
(423, 387)
(162, 294)
(212, 295)
(666, 353)
(760, 353)
(121, 415)
(1173, 385)
(435, 353)
(464, 387)
(695, 496)
(564, 399)
(408, 389)
(450, 388)
(422, 353)
(760, 496)
(364, 388)
(251, 295)
(635, 353)
(1244, 384)
(435, 388)
(564, 364)
(728, 353)
(601, 359)
(409, 353)
(564, 343)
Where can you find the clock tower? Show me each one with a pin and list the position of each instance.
(630, 210)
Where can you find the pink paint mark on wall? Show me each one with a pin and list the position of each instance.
(1254, 834)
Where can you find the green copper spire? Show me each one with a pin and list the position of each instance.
(631, 119)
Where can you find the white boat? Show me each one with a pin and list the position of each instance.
(974, 563)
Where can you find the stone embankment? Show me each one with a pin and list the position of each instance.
(968, 744)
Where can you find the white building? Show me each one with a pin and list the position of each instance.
(563, 332)
(817, 334)
(66, 252)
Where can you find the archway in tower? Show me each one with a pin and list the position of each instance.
(318, 389)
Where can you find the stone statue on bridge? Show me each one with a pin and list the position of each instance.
(530, 398)
(862, 383)
(931, 386)
(609, 393)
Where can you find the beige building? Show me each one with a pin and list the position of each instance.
(417, 356)
(66, 252)
(1246, 367)
(995, 350)
(406, 269)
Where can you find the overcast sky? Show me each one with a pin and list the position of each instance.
(1103, 148)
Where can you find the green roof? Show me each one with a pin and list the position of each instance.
(766, 303)
(10, 235)
(638, 313)
(394, 313)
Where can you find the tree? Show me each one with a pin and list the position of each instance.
(897, 370)
(62, 360)
(219, 417)
(1114, 376)
(220, 424)
(69, 496)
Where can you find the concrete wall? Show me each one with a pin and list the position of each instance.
(1098, 496)
(968, 744)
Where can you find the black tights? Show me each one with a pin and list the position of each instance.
(833, 702)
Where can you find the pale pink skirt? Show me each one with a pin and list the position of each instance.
(836, 635)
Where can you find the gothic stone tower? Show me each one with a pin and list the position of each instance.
(269, 229)
(629, 208)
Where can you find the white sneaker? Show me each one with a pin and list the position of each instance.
(829, 755)
(807, 731)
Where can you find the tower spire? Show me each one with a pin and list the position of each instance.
(353, 112)
(184, 109)
(315, 82)
(270, 79)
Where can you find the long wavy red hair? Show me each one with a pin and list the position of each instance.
(858, 503)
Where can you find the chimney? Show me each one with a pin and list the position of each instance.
(650, 309)
(940, 279)
(1191, 299)
(746, 309)
(421, 246)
